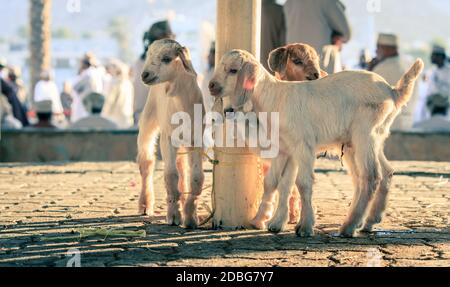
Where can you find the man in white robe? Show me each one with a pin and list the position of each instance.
(438, 106)
(90, 80)
(391, 66)
(439, 82)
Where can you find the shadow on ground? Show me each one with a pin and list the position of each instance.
(48, 243)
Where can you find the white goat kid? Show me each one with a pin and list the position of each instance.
(350, 109)
(168, 69)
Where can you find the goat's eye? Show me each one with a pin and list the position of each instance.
(166, 60)
(297, 62)
(233, 71)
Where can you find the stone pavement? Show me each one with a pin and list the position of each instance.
(42, 207)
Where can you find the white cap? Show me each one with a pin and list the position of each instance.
(387, 40)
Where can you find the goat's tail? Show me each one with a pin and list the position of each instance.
(405, 86)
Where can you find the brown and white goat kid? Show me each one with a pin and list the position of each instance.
(168, 69)
(293, 62)
(296, 62)
(350, 109)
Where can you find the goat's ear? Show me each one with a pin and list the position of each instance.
(323, 74)
(245, 85)
(185, 57)
(277, 60)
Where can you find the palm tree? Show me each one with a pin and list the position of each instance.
(40, 38)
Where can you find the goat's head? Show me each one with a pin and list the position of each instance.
(236, 77)
(296, 62)
(166, 59)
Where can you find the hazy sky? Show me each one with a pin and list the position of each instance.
(415, 21)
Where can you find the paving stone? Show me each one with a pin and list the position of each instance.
(43, 206)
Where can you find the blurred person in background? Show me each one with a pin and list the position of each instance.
(438, 107)
(159, 30)
(107, 78)
(7, 119)
(44, 112)
(314, 21)
(90, 80)
(3, 64)
(46, 89)
(7, 91)
(119, 103)
(364, 59)
(273, 29)
(391, 66)
(439, 80)
(208, 100)
(66, 99)
(94, 103)
(331, 54)
(15, 79)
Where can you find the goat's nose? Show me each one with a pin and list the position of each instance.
(149, 77)
(214, 88)
(212, 85)
(313, 77)
(145, 75)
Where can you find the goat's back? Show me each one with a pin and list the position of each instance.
(330, 107)
(355, 86)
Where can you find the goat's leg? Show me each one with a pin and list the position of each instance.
(281, 217)
(266, 207)
(196, 180)
(294, 206)
(369, 175)
(350, 163)
(304, 182)
(182, 171)
(379, 202)
(171, 179)
(148, 133)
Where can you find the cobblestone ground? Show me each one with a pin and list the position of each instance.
(42, 207)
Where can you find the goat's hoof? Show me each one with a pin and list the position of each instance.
(304, 231)
(191, 223)
(258, 224)
(293, 220)
(174, 220)
(275, 228)
(367, 228)
(144, 211)
(347, 232)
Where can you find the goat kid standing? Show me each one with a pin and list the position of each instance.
(168, 69)
(350, 109)
(293, 62)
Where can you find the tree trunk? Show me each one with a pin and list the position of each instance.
(40, 38)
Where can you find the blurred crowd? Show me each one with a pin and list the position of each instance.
(111, 95)
(99, 97)
(323, 24)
